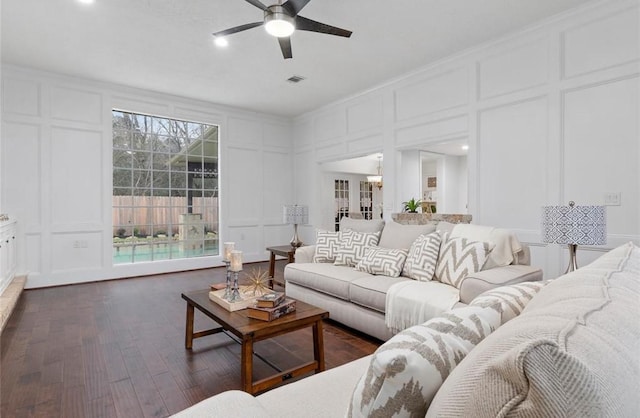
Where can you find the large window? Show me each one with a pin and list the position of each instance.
(165, 188)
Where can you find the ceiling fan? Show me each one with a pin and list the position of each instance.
(281, 20)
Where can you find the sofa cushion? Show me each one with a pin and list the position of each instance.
(422, 258)
(572, 352)
(323, 277)
(382, 261)
(371, 291)
(327, 244)
(509, 300)
(406, 371)
(395, 235)
(361, 225)
(352, 246)
(458, 258)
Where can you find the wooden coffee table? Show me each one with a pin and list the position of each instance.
(249, 331)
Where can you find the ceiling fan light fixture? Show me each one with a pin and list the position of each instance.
(278, 23)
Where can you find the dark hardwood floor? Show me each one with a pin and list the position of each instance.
(116, 349)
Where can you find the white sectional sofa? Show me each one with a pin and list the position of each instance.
(568, 349)
(358, 299)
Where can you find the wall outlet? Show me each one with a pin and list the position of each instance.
(80, 244)
(612, 198)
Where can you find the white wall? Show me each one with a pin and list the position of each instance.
(550, 115)
(56, 174)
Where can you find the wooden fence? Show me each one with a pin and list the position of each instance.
(146, 215)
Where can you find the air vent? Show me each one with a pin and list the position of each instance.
(295, 79)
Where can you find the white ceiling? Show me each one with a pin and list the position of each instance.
(166, 45)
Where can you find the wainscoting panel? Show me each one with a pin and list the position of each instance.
(603, 43)
(21, 97)
(197, 115)
(248, 239)
(76, 176)
(601, 150)
(365, 115)
(139, 105)
(276, 136)
(330, 125)
(242, 131)
(419, 134)
(76, 251)
(512, 163)
(22, 196)
(243, 185)
(516, 69)
(435, 93)
(303, 134)
(74, 105)
(331, 152)
(365, 145)
(31, 254)
(278, 235)
(277, 185)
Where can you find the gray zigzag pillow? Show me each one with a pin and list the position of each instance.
(406, 372)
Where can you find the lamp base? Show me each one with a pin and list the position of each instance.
(573, 261)
(295, 241)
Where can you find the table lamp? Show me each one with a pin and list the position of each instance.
(574, 225)
(295, 215)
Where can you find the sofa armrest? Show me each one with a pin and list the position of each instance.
(232, 403)
(305, 254)
(477, 283)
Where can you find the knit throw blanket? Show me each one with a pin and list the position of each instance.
(413, 302)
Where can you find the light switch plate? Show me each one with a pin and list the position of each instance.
(612, 198)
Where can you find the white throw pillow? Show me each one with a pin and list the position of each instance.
(509, 300)
(327, 243)
(460, 257)
(382, 261)
(423, 257)
(406, 372)
(352, 246)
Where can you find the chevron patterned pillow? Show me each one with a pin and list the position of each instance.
(509, 300)
(422, 257)
(460, 257)
(382, 261)
(327, 243)
(406, 372)
(352, 246)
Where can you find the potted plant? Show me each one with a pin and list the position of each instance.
(412, 205)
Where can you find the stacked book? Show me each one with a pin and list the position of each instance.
(271, 306)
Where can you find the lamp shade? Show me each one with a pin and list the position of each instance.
(295, 214)
(579, 225)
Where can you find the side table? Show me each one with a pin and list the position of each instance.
(284, 251)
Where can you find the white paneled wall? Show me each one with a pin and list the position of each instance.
(56, 174)
(551, 114)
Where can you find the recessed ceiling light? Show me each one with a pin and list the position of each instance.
(86, 1)
(221, 41)
(465, 147)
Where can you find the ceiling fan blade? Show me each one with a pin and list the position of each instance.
(238, 29)
(285, 46)
(302, 23)
(293, 7)
(258, 4)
